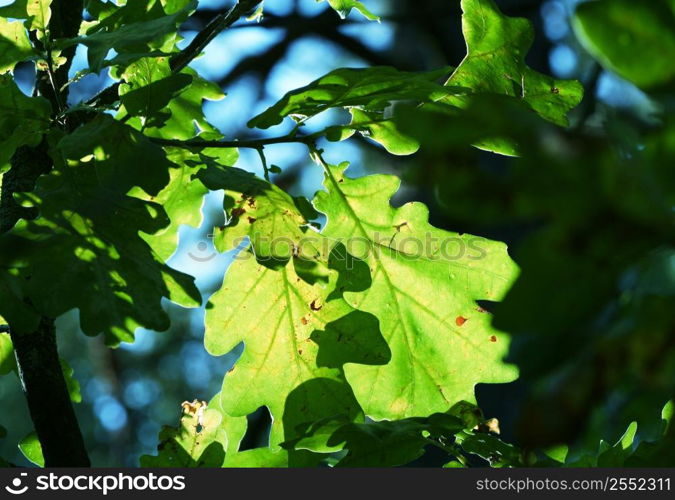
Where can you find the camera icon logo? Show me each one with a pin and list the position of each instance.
(16, 487)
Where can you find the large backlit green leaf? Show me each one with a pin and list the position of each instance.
(297, 336)
(634, 39)
(495, 63)
(425, 283)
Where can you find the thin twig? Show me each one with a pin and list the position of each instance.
(204, 37)
(257, 144)
(52, 79)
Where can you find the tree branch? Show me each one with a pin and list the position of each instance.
(48, 399)
(204, 37)
(36, 353)
(247, 143)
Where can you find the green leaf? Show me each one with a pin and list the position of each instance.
(495, 63)
(183, 117)
(425, 283)
(616, 455)
(297, 336)
(385, 132)
(386, 443)
(115, 150)
(199, 441)
(207, 437)
(7, 361)
(182, 198)
(630, 38)
(659, 452)
(491, 448)
(344, 7)
(15, 10)
(32, 449)
(93, 230)
(23, 120)
(141, 37)
(150, 86)
(497, 123)
(367, 88)
(14, 44)
(258, 458)
(71, 382)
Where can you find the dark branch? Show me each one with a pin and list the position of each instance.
(36, 353)
(48, 398)
(248, 143)
(204, 37)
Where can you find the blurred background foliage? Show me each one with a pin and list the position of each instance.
(587, 214)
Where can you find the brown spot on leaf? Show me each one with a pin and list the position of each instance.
(460, 320)
(251, 220)
(303, 321)
(493, 338)
(238, 212)
(300, 352)
(315, 307)
(555, 90)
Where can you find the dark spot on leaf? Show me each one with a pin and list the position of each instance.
(300, 352)
(460, 320)
(555, 90)
(341, 180)
(314, 307)
(493, 338)
(237, 212)
(303, 321)
(251, 220)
